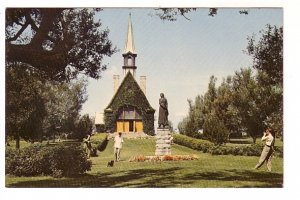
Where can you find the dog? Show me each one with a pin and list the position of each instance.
(110, 163)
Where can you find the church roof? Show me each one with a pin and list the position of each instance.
(130, 93)
(129, 45)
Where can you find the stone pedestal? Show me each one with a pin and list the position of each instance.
(163, 142)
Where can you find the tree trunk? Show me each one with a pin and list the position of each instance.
(17, 141)
(254, 140)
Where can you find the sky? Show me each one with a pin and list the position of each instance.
(178, 57)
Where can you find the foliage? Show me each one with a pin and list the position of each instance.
(236, 150)
(214, 130)
(25, 104)
(267, 56)
(247, 100)
(130, 94)
(225, 110)
(60, 42)
(250, 100)
(196, 144)
(57, 161)
(182, 125)
(172, 14)
(64, 102)
(36, 107)
(83, 127)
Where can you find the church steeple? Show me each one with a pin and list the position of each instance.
(129, 45)
(129, 53)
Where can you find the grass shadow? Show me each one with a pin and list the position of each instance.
(247, 178)
(138, 178)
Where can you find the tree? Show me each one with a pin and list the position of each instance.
(215, 130)
(225, 110)
(199, 110)
(247, 100)
(64, 102)
(59, 42)
(182, 125)
(36, 108)
(84, 126)
(267, 55)
(171, 14)
(25, 105)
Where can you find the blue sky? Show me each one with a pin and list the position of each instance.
(178, 57)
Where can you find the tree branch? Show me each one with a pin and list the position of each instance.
(48, 61)
(48, 16)
(18, 33)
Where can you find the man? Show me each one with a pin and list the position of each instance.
(163, 111)
(267, 153)
(118, 146)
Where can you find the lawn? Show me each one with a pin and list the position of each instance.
(207, 171)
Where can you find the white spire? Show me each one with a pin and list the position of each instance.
(129, 45)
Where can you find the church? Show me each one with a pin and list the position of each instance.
(129, 111)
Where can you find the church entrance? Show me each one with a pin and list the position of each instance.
(129, 120)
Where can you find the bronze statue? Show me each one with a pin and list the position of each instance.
(163, 112)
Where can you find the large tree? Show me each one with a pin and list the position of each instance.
(267, 55)
(25, 104)
(59, 42)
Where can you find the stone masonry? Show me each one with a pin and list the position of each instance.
(163, 142)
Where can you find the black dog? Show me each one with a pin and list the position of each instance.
(110, 163)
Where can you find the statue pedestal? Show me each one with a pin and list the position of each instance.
(163, 142)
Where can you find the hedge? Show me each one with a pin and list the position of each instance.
(208, 147)
(196, 144)
(57, 161)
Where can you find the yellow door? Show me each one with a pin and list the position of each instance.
(126, 127)
(123, 126)
(120, 127)
(139, 126)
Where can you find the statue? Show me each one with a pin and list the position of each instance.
(163, 112)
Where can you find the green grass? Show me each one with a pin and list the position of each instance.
(207, 171)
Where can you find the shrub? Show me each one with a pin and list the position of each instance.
(208, 147)
(57, 161)
(197, 144)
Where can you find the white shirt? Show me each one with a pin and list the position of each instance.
(269, 139)
(118, 142)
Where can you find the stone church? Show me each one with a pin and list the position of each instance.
(129, 110)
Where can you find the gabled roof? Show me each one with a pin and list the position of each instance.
(129, 45)
(129, 91)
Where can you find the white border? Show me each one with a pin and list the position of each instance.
(291, 111)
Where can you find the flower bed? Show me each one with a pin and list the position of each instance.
(142, 158)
